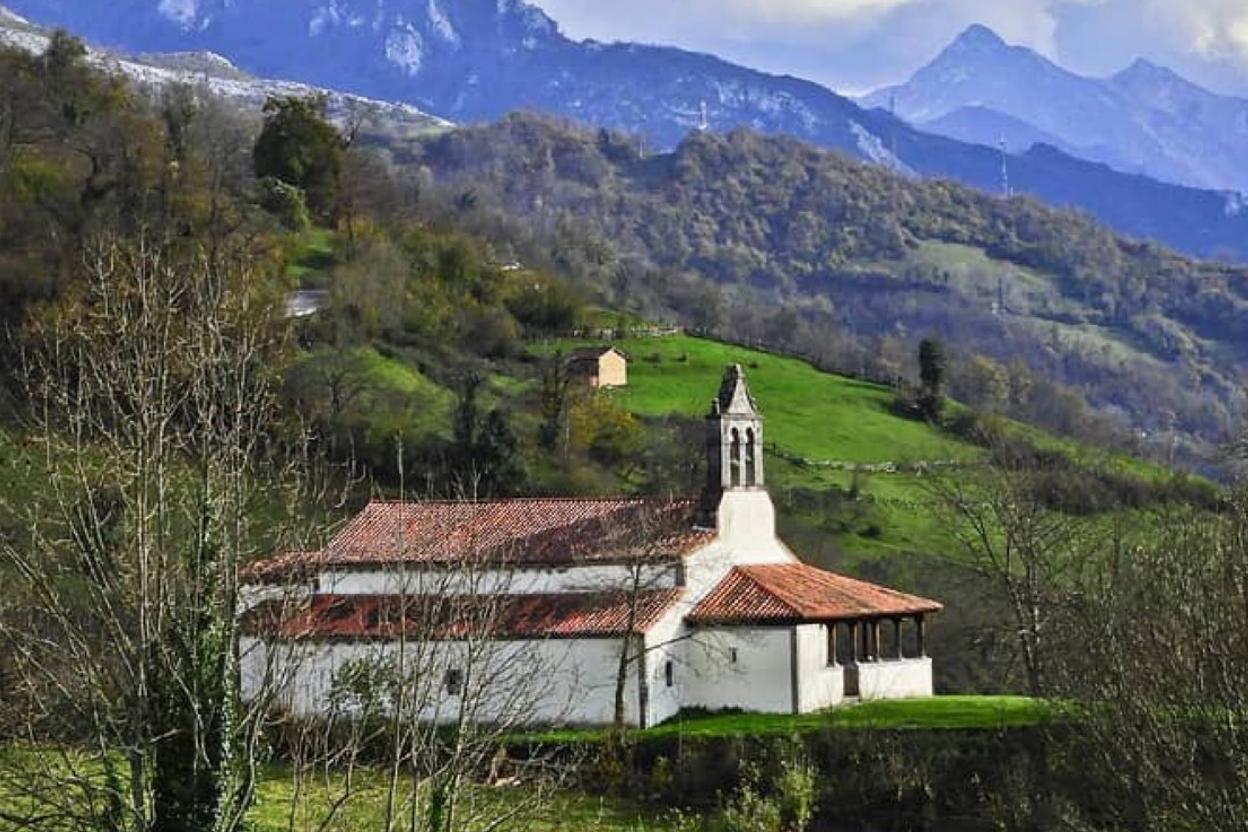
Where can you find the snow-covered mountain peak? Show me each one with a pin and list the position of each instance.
(9, 17)
(210, 73)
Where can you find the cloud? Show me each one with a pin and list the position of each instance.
(1216, 29)
(655, 16)
(855, 44)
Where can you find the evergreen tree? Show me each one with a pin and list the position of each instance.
(497, 454)
(932, 365)
(299, 146)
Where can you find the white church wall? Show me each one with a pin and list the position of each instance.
(819, 685)
(895, 679)
(524, 580)
(747, 522)
(665, 642)
(703, 570)
(556, 681)
(746, 536)
(740, 667)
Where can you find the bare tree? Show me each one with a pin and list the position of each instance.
(1025, 549)
(639, 548)
(1155, 656)
(416, 713)
(153, 394)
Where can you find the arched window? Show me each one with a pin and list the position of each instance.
(751, 467)
(734, 459)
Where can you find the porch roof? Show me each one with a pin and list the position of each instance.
(797, 593)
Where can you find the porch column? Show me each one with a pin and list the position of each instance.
(832, 644)
(901, 653)
(854, 645)
(875, 640)
(922, 635)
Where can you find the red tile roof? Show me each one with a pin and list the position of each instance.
(363, 617)
(532, 531)
(792, 593)
(288, 566)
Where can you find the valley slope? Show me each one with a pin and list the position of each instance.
(1151, 338)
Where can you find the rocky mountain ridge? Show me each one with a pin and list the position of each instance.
(220, 77)
(477, 60)
(1145, 119)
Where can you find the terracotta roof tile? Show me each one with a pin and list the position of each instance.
(533, 531)
(288, 566)
(361, 617)
(789, 593)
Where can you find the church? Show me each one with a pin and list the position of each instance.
(543, 611)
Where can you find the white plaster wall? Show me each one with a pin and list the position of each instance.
(561, 681)
(746, 535)
(760, 680)
(895, 679)
(666, 641)
(612, 370)
(587, 578)
(819, 686)
(747, 522)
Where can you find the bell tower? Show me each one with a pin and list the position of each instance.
(734, 442)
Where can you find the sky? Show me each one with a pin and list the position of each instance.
(857, 45)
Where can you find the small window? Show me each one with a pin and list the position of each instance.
(732, 655)
(669, 674)
(454, 681)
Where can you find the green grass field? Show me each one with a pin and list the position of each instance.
(322, 801)
(394, 394)
(817, 417)
(810, 415)
(936, 713)
(312, 253)
(808, 412)
(944, 713)
(563, 810)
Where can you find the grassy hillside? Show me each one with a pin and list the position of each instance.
(810, 251)
(809, 413)
(827, 433)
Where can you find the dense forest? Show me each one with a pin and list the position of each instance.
(772, 240)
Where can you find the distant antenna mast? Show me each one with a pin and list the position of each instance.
(704, 122)
(892, 111)
(1005, 168)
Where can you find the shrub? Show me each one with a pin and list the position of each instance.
(796, 792)
(285, 202)
(749, 811)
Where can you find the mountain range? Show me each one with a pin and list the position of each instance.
(1145, 119)
(476, 60)
(207, 70)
